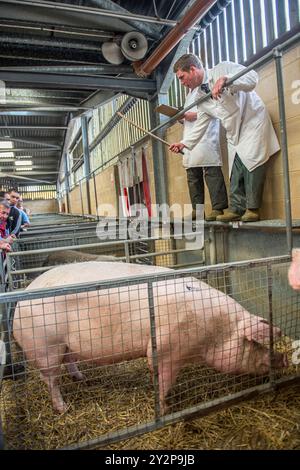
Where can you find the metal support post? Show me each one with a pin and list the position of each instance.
(86, 159)
(67, 183)
(159, 159)
(154, 350)
(284, 148)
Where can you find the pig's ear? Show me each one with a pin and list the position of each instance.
(257, 330)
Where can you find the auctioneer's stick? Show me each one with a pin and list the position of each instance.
(144, 130)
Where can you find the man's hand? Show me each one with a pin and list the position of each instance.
(5, 246)
(176, 148)
(219, 87)
(10, 239)
(190, 116)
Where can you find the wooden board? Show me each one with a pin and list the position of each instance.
(166, 110)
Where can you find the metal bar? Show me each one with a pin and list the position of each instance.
(269, 21)
(96, 197)
(31, 141)
(29, 110)
(280, 17)
(223, 37)
(155, 376)
(35, 127)
(284, 148)
(75, 30)
(272, 373)
(231, 31)
(97, 69)
(24, 178)
(91, 11)
(258, 25)
(248, 29)
(50, 42)
(86, 158)
(294, 12)
(212, 246)
(28, 149)
(81, 81)
(216, 52)
(102, 285)
(127, 253)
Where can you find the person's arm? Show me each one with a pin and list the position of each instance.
(4, 245)
(196, 134)
(17, 227)
(227, 71)
(25, 219)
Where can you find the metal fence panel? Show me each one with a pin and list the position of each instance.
(196, 337)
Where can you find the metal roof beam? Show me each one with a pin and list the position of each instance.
(41, 112)
(81, 82)
(35, 127)
(33, 167)
(70, 94)
(33, 141)
(28, 173)
(98, 98)
(42, 149)
(92, 33)
(101, 69)
(12, 175)
(91, 11)
(23, 40)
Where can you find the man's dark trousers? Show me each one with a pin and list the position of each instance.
(246, 187)
(215, 182)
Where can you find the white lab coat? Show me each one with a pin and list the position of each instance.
(207, 152)
(248, 126)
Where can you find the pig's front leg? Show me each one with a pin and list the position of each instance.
(168, 368)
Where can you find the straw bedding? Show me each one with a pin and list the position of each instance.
(114, 397)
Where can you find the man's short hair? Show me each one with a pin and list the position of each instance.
(13, 190)
(4, 203)
(185, 62)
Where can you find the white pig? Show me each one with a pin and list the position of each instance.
(194, 323)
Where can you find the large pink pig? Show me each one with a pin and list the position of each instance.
(194, 323)
(294, 270)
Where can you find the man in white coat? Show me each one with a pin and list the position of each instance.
(250, 135)
(204, 161)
